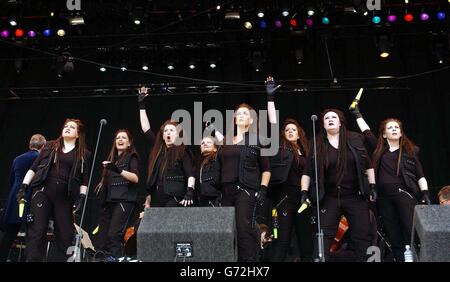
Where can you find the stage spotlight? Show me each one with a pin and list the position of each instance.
(409, 17)
(61, 32)
(218, 7)
(278, 24)
(31, 33)
(285, 13)
(384, 46)
(13, 22)
(248, 25)
(299, 56)
(47, 32)
(212, 65)
(76, 20)
(424, 16)
(376, 19)
(262, 24)
(260, 14)
(102, 69)
(145, 66)
(391, 18)
(440, 16)
(293, 22)
(64, 64)
(19, 32)
(192, 65)
(137, 21)
(309, 22)
(4, 33)
(325, 20)
(123, 65)
(170, 66)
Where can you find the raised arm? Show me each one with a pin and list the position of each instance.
(270, 91)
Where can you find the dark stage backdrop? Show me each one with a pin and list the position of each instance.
(424, 111)
(424, 107)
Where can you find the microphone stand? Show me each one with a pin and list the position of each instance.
(321, 257)
(79, 235)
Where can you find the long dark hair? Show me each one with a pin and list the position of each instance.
(210, 155)
(301, 143)
(114, 157)
(80, 142)
(172, 154)
(322, 144)
(406, 145)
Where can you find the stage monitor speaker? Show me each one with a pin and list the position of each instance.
(430, 239)
(192, 234)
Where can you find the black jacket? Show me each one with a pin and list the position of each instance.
(174, 178)
(249, 168)
(280, 166)
(120, 189)
(209, 178)
(355, 143)
(407, 165)
(79, 168)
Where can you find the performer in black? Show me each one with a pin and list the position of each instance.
(245, 175)
(344, 173)
(170, 169)
(57, 178)
(208, 174)
(118, 190)
(400, 179)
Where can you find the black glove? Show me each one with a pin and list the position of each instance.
(141, 98)
(271, 88)
(79, 204)
(304, 197)
(261, 196)
(355, 112)
(373, 192)
(21, 193)
(113, 167)
(189, 196)
(425, 197)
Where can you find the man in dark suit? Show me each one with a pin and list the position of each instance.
(10, 223)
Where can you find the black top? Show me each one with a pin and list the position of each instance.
(229, 157)
(133, 168)
(60, 171)
(349, 182)
(186, 161)
(296, 171)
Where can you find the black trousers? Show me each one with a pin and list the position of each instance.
(287, 198)
(114, 219)
(208, 201)
(48, 202)
(9, 235)
(356, 210)
(244, 202)
(160, 199)
(397, 213)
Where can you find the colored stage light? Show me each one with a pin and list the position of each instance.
(409, 17)
(19, 32)
(376, 19)
(47, 32)
(5, 33)
(293, 22)
(325, 20)
(392, 18)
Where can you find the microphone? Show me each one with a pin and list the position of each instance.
(314, 117)
(356, 100)
(103, 121)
